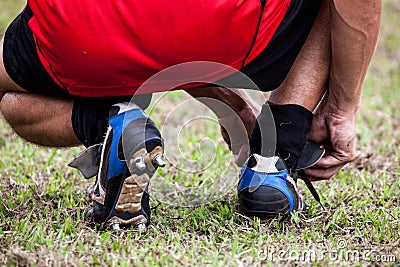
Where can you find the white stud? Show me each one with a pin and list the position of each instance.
(159, 161)
(140, 164)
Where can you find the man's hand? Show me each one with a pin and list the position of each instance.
(335, 132)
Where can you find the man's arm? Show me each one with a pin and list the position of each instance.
(236, 112)
(354, 32)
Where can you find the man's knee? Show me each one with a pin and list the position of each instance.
(7, 103)
(10, 107)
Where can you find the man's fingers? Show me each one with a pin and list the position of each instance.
(316, 136)
(333, 158)
(328, 161)
(327, 166)
(318, 132)
(315, 173)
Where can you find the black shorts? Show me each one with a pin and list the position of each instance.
(21, 59)
(267, 70)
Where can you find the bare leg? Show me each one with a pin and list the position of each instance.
(307, 79)
(39, 119)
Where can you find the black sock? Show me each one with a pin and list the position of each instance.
(290, 127)
(90, 116)
(89, 122)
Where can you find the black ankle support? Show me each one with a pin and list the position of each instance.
(291, 123)
(90, 116)
(89, 122)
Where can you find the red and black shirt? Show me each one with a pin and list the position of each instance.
(110, 47)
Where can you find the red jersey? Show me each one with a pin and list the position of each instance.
(110, 47)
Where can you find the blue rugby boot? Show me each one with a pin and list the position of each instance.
(279, 154)
(126, 160)
(267, 188)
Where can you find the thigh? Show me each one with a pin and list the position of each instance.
(6, 83)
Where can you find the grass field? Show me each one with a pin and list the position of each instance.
(42, 202)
